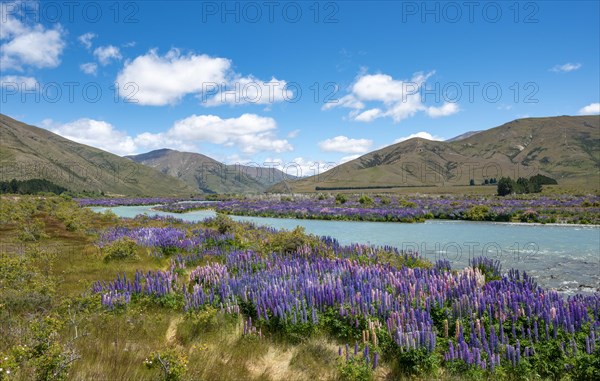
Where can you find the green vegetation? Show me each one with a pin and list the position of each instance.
(53, 327)
(507, 186)
(33, 186)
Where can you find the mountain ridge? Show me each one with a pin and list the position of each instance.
(29, 152)
(564, 147)
(209, 175)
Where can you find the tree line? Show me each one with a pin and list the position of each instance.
(32, 186)
(507, 186)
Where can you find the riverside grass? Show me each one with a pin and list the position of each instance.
(82, 338)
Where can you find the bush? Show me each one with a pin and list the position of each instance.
(365, 200)
(170, 362)
(340, 199)
(32, 230)
(417, 361)
(121, 249)
(289, 241)
(478, 213)
(355, 369)
(223, 223)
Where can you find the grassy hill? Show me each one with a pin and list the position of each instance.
(566, 148)
(209, 175)
(29, 152)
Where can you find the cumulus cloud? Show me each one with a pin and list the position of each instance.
(86, 39)
(163, 80)
(566, 67)
(18, 82)
(166, 79)
(28, 44)
(591, 109)
(89, 68)
(395, 99)
(445, 110)
(106, 54)
(243, 90)
(344, 144)
(421, 134)
(249, 133)
(95, 133)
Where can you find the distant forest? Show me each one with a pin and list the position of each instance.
(33, 186)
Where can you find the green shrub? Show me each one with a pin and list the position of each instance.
(32, 230)
(417, 362)
(365, 200)
(171, 363)
(289, 241)
(355, 369)
(478, 213)
(340, 199)
(223, 223)
(121, 249)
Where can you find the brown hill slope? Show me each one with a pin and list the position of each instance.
(566, 148)
(28, 152)
(209, 175)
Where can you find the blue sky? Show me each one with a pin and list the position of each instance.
(251, 81)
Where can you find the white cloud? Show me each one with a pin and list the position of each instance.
(89, 68)
(18, 82)
(95, 133)
(163, 80)
(591, 109)
(566, 67)
(293, 133)
(421, 134)
(369, 115)
(398, 99)
(244, 90)
(445, 110)
(86, 39)
(26, 44)
(344, 144)
(348, 101)
(250, 133)
(106, 54)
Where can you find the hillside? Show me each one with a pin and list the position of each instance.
(566, 148)
(29, 152)
(462, 136)
(209, 175)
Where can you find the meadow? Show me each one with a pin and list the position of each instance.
(93, 296)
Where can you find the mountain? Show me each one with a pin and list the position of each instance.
(209, 175)
(566, 148)
(28, 152)
(463, 136)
